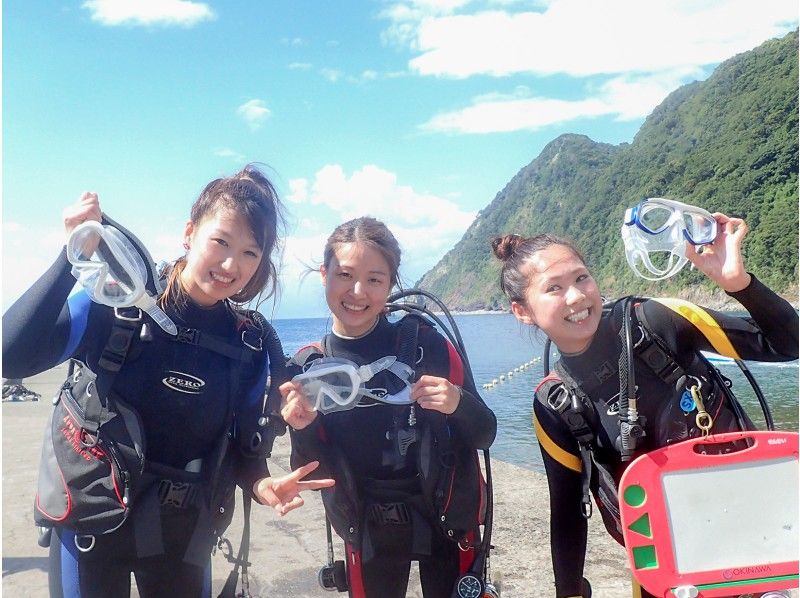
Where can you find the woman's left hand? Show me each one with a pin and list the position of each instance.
(439, 394)
(283, 493)
(722, 261)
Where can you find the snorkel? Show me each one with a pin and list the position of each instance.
(115, 269)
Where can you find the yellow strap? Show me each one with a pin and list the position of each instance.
(705, 323)
(636, 589)
(566, 459)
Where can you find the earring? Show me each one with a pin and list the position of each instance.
(186, 247)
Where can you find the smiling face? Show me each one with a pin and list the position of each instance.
(562, 299)
(222, 258)
(357, 282)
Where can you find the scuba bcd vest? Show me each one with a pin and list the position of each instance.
(562, 394)
(94, 471)
(449, 489)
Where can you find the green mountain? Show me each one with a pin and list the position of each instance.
(728, 144)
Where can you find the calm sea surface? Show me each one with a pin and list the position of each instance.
(496, 344)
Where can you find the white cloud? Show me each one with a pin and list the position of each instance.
(331, 75)
(584, 37)
(300, 66)
(226, 152)
(254, 113)
(425, 224)
(298, 191)
(25, 261)
(623, 98)
(148, 12)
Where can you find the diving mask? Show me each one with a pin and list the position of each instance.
(109, 267)
(337, 384)
(655, 233)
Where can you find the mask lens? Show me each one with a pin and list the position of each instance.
(119, 282)
(106, 265)
(84, 246)
(654, 218)
(329, 387)
(700, 229)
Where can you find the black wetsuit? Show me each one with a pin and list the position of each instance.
(770, 334)
(43, 329)
(367, 438)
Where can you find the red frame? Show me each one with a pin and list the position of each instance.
(661, 577)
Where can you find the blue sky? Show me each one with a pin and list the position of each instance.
(417, 112)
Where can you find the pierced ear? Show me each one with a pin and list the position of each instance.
(522, 313)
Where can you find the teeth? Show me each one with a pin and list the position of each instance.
(352, 307)
(578, 317)
(221, 278)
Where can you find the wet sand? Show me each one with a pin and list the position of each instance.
(287, 552)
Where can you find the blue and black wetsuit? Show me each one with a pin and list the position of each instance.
(769, 334)
(378, 504)
(182, 393)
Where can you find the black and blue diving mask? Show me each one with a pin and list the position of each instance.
(115, 269)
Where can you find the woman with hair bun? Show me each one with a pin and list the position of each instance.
(550, 287)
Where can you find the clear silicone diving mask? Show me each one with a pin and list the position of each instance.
(337, 384)
(111, 270)
(655, 233)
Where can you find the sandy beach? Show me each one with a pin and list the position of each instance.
(287, 552)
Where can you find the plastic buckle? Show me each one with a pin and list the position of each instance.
(255, 347)
(175, 494)
(189, 336)
(392, 513)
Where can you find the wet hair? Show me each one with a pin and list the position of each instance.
(250, 195)
(371, 232)
(515, 252)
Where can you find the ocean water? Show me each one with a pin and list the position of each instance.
(497, 343)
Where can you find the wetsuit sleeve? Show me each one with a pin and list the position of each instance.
(474, 422)
(770, 333)
(568, 527)
(248, 471)
(43, 328)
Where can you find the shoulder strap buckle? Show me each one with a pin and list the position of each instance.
(189, 336)
(558, 400)
(123, 313)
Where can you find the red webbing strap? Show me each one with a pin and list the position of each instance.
(466, 557)
(354, 576)
(456, 375)
(551, 377)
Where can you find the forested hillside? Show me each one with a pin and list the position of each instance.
(728, 144)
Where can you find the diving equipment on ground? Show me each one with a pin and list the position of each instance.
(655, 233)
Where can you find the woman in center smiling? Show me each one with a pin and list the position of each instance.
(408, 483)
